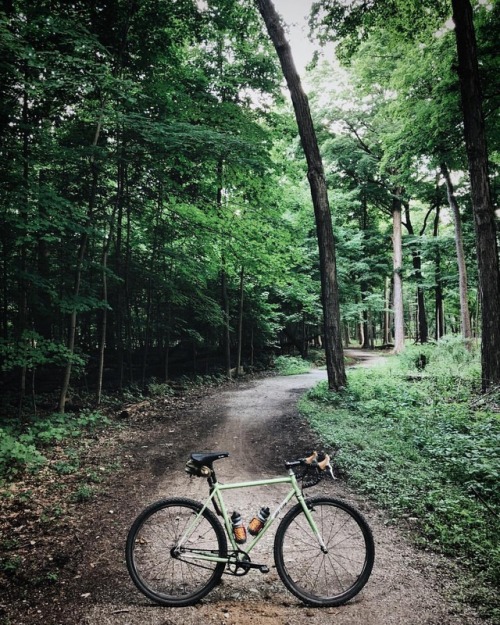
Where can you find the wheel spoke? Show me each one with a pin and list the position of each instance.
(311, 574)
(156, 570)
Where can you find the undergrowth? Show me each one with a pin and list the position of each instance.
(417, 437)
(22, 446)
(291, 365)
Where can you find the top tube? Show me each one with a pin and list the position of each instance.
(272, 480)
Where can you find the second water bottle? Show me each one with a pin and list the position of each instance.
(258, 522)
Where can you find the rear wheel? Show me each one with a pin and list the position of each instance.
(170, 576)
(331, 576)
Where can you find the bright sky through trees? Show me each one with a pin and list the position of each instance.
(296, 14)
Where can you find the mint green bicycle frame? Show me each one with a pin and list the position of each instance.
(216, 495)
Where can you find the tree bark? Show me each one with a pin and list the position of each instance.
(484, 217)
(240, 324)
(225, 310)
(329, 289)
(79, 268)
(397, 246)
(462, 269)
(439, 309)
(23, 285)
(422, 328)
(387, 299)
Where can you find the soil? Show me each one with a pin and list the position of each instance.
(73, 569)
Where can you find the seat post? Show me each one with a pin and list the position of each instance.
(212, 479)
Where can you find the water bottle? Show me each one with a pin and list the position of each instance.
(239, 531)
(258, 522)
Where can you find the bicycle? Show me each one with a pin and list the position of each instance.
(177, 549)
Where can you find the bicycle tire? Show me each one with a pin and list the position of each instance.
(158, 573)
(317, 578)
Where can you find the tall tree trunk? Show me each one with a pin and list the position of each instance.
(459, 245)
(365, 331)
(240, 324)
(422, 328)
(439, 308)
(397, 246)
(78, 272)
(128, 303)
(387, 312)
(484, 216)
(225, 309)
(329, 289)
(23, 286)
(118, 300)
(104, 320)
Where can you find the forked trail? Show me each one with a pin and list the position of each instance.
(258, 424)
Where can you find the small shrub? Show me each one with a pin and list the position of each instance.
(10, 565)
(18, 453)
(160, 389)
(83, 493)
(291, 365)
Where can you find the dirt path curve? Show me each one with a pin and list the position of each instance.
(258, 423)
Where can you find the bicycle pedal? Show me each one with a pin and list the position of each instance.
(263, 568)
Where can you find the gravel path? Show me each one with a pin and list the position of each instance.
(258, 424)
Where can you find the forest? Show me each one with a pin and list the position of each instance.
(156, 217)
(160, 227)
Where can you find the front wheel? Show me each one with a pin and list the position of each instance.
(166, 573)
(328, 576)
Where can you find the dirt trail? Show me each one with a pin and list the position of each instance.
(257, 422)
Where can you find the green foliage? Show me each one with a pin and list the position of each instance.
(33, 351)
(82, 494)
(291, 365)
(449, 361)
(17, 454)
(22, 448)
(415, 442)
(10, 565)
(160, 389)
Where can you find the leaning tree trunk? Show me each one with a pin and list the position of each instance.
(484, 216)
(459, 245)
(329, 289)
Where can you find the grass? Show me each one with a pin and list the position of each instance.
(416, 437)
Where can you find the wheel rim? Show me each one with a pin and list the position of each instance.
(339, 572)
(160, 570)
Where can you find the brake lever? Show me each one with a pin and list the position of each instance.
(325, 465)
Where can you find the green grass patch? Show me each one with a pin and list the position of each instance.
(291, 365)
(415, 436)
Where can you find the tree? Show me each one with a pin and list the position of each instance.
(462, 268)
(316, 177)
(484, 216)
(418, 42)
